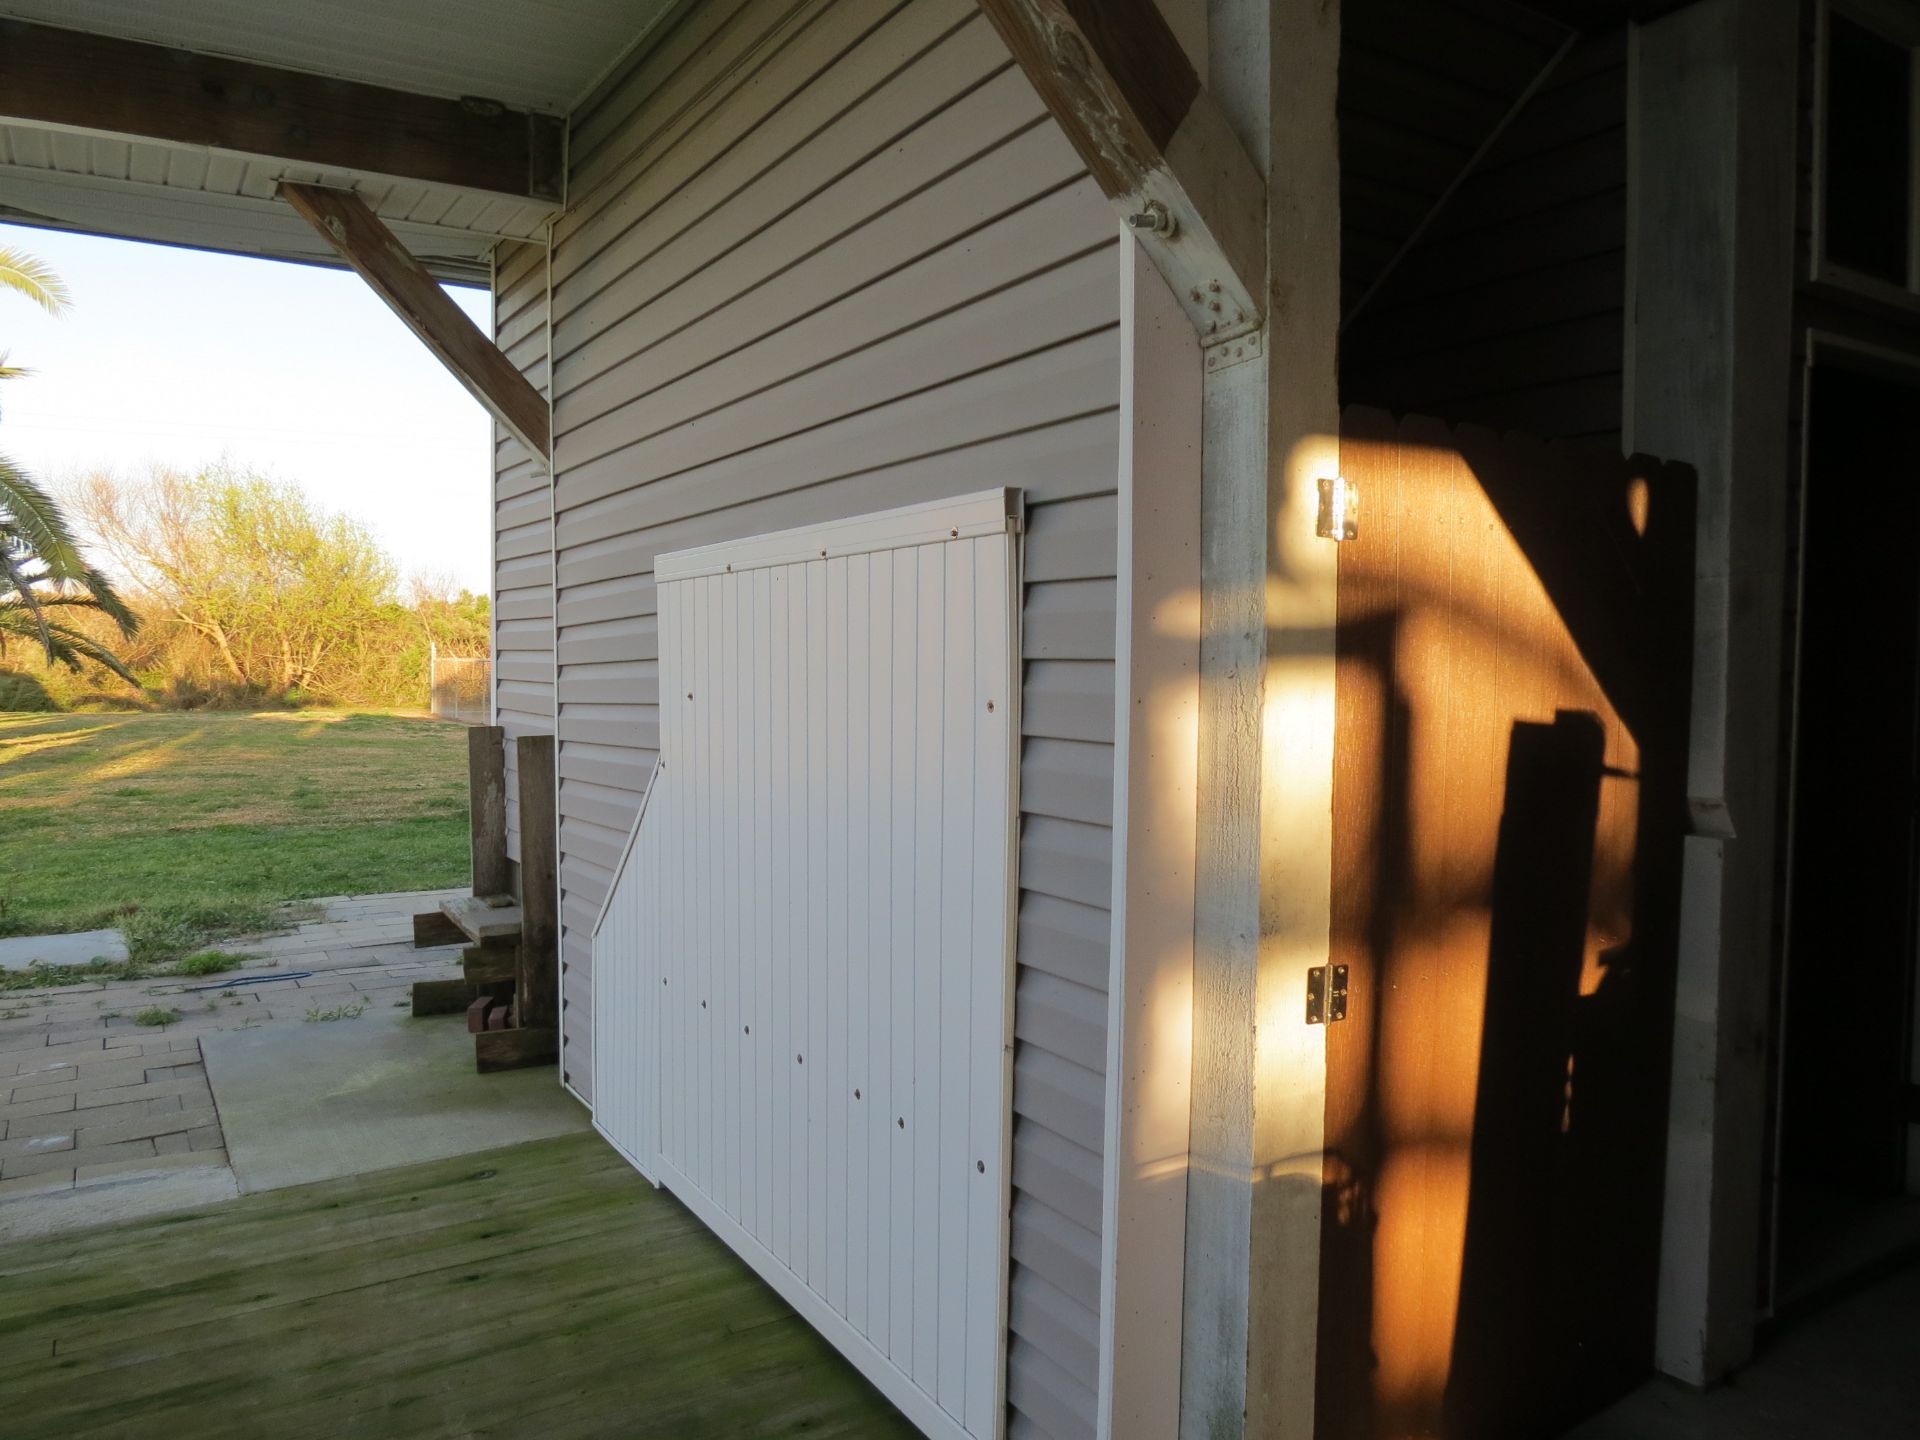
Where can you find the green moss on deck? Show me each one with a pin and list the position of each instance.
(545, 1290)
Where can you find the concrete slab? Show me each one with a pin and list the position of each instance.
(161, 1188)
(325, 1099)
(21, 952)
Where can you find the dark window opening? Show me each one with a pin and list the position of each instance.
(1869, 151)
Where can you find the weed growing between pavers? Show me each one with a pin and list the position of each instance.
(160, 944)
(156, 1015)
(162, 933)
(338, 1012)
(210, 962)
(43, 977)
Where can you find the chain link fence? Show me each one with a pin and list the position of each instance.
(462, 688)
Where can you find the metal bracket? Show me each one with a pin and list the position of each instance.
(1326, 994)
(1225, 354)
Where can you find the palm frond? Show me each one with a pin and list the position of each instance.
(35, 279)
(101, 596)
(65, 645)
(33, 516)
(22, 598)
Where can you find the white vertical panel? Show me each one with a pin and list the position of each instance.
(806, 952)
(835, 1005)
(856, 1082)
(953, 1081)
(819, 1003)
(785, 616)
(923, 1112)
(905, 932)
(880, 953)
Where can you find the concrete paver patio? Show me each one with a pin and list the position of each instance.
(102, 1118)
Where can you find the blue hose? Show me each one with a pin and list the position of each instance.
(248, 980)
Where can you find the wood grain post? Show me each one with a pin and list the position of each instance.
(537, 982)
(1709, 368)
(487, 789)
(363, 240)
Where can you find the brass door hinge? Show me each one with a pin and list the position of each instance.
(1326, 995)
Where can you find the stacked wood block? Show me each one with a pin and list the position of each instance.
(510, 964)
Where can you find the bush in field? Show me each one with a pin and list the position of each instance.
(254, 594)
(24, 692)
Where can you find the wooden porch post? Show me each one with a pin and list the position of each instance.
(536, 986)
(1266, 756)
(487, 799)
(1710, 244)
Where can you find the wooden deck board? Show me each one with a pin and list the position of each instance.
(544, 1289)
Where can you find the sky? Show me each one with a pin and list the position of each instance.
(182, 358)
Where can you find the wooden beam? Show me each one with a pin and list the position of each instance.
(537, 986)
(51, 76)
(416, 297)
(487, 811)
(1114, 76)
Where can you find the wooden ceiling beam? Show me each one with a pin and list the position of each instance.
(1114, 76)
(416, 297)
(50, 76)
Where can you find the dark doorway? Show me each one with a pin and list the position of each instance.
(1848, 1003)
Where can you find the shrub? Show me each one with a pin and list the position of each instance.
(24, 692)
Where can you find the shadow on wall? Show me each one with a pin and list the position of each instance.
(1514, 647)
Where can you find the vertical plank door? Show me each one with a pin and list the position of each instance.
(1514, 621)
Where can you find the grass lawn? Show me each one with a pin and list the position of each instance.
(182, 828)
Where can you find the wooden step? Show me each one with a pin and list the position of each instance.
(493, 964)
(430, 928)
(481, 920)
(515, 1049)
(440, 997)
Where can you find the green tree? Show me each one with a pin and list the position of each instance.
(287, 596)
(44, 577)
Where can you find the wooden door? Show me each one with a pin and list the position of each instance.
(1514, 626)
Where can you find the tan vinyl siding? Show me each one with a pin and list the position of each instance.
(523, 629)
(1509, 308)
(823, 258)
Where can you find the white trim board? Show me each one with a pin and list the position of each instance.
(1155, 774)
(985, 512)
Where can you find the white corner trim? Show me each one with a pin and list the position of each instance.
(1150, 977)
